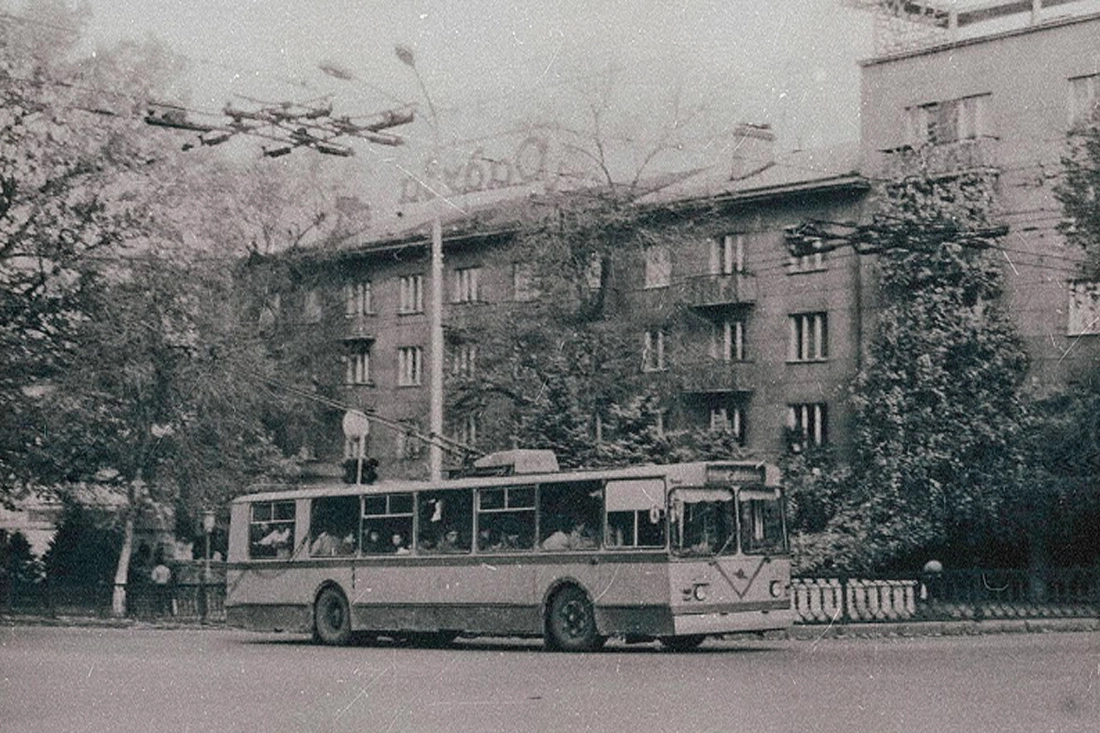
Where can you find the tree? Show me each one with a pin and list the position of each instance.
(1078, 193)
(938, 414)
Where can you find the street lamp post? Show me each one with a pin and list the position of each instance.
(207, 529)
(435, 315)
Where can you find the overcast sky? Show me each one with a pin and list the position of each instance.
(489, 65)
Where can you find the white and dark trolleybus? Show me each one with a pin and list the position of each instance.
(670, 552)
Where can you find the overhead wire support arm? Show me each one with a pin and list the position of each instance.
(292, 125)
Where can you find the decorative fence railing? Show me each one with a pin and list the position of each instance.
(949, 595)
(971, 595)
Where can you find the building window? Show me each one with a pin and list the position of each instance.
(357, 365)
(1084, 99)
(948, 121)
(808, 425)
(658, 267)
(806, 263)
(466, 285)
(524, 287)
(728, 418)
(593, 273)
(311, 306)
(653, 351)
(465, 429)
(728, 340)
(409, 366)
(809, 337)
(357, 299)
(409, 444)
(464, 360)
(1084, 308)
(727, 255)
(412, 294)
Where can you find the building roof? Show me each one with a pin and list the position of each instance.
(483, 216)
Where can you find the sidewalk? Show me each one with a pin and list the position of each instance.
(814, 632)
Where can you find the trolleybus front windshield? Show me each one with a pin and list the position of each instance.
(702, 522)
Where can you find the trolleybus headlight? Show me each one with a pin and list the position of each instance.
(776, 588)
(700, 592)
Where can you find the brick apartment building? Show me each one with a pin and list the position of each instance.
(774, 340)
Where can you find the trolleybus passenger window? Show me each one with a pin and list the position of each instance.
(636, 513)
(570, 514)
(271, 530)
(506, 519)
(446, 521)
(702, 522)
(387, 524)
(761, 521)
(333, 526)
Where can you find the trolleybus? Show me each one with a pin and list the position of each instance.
(673, 553)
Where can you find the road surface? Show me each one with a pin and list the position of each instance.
(60, 679)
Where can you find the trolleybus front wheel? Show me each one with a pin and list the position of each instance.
(682, 643)
(332, 618)
(571, 622)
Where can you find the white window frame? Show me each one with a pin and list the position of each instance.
(809, 337)
(728, 340)
(811, 419)
(1084, 99)
(947, 121)
(464, 360)
(466, 429)
(727, 255)
(410, 366)
(658, 266)
(466, 288)
(411, 295)
(357, 299)
(653, 351)
(357, 366)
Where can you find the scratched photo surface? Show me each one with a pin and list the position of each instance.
(558, 366)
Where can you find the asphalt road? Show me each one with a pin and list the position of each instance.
(175, 680)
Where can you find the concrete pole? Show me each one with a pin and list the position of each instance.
(435, 358)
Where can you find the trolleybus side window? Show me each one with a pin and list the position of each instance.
(445, 521)
(506, 519)
(271, 529)
(761, 521)
(387, 524)
(570, 515)
(635, 513)
(702, 522)
(333, 526)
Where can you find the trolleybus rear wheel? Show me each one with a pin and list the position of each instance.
(682, 643)
(571, 622)
(332, 618)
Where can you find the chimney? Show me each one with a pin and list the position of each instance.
(753, 150)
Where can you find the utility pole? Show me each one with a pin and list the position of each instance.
(435, 314)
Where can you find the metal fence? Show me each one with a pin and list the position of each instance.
(970, 595)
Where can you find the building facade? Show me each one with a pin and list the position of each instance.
(730, 329)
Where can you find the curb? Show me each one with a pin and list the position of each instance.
(815, 632)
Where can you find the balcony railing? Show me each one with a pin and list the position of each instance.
(705, 291)
(360, 328)
(714, 375)
(945, 159)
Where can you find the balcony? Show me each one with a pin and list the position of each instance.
(947, 159)
(360, 328)
(708, 291)
(714, 376)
